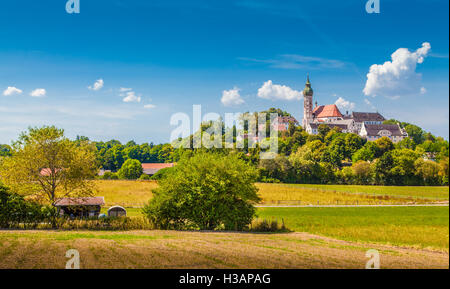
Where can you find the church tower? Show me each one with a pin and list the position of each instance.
(307, 104)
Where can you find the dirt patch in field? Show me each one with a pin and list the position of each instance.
(171, 249)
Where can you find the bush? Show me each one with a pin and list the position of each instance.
(130, 170)
(15, 210)
(363, 173)
(144, 177)
(109, 176)
(265, 226)
(109, 224)
(206, 192)
(162, 173)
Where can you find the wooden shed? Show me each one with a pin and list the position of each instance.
(117, 211)
(80, 207)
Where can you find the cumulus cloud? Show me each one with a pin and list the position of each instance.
(397, 77)
(38, 92)
(131, 96)
(231, 97)
(278, 92)
(97, 85)
(344, 104)
(11, 90)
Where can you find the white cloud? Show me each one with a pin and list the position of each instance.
(38, 92)
(131, 96)
(344, 104)
(11, 90)
(278, 92)
(423, 90)
(397, 77)
(124, 89)
(149, 106)
(97, 85)
(231, 97)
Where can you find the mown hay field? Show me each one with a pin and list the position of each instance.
(129, 194)
(418, 227)
(134, 194)
(174, 249)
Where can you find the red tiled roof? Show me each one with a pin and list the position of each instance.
(330, 110)
(153, 168)
(157, 165)
(46, 172)
(87, 201)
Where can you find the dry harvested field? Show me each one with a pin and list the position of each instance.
(134, 194)
(173, 249)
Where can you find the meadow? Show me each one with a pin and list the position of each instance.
(323, 237)
(199, 250)
(134, 194)
(129, 194)
(416, 192)
(418, 227)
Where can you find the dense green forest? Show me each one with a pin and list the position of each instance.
(329, 157)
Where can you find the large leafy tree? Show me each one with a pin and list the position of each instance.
(367, 153)
(415, 133)
(382, 169)
(131, 170)
(206, 191)
(45, 165)
(384, 145)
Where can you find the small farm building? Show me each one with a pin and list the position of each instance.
(152, 168)
(80, 207)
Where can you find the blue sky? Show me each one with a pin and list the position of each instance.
(166, 56)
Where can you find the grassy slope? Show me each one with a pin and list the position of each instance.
(412, 226)
(172, 249)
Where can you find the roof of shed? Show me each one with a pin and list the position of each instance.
(83, 201)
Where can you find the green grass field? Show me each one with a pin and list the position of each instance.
(421, 227)
(432, 193)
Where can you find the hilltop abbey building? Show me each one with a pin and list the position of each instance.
(367, 124)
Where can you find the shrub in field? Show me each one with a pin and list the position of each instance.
(110, 176)
(131, 170)
(266, 226)
(162, 173)
(207, 191)
(144, 177)
(113, 224)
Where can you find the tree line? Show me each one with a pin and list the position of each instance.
(330, 157)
